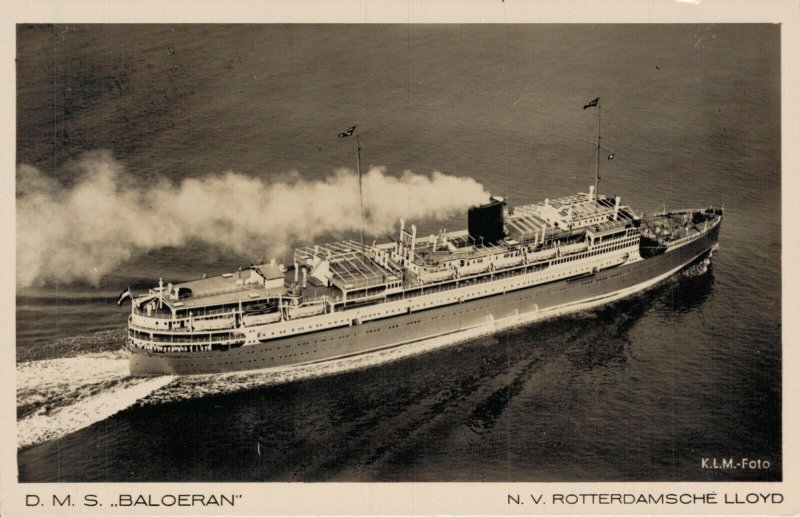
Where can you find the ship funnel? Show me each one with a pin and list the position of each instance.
(486, 222)
(591, 192)
(616, 207)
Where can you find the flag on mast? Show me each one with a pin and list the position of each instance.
(592, 103)
(348, 132)
(125, 294)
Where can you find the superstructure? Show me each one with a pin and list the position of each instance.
(346, 298)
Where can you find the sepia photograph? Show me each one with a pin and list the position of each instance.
(403, 252)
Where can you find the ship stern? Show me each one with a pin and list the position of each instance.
(142, 363)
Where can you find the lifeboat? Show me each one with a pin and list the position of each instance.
(436, 276)
(306, 310)
(213, 324)
(574, 248)
(508, 262)
(541, 255)
(472, 269)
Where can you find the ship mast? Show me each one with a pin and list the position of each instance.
(346, 134)
(597, 161)
(595, 103)
(360, 191)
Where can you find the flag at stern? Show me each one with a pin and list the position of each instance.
(123, 295)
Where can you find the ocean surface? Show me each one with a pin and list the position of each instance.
(177, 151)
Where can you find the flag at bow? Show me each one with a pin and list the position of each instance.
(592, 103)
(349, 132)
(125, 294)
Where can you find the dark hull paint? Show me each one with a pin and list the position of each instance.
(416, 326)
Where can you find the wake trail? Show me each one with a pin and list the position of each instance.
(56, 397)
(59, 396)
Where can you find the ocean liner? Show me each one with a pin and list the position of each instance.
(334, 300)
(511, 264)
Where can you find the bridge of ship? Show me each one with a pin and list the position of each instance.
(353, 271)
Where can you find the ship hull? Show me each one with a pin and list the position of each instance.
(523, 305)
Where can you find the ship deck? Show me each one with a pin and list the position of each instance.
(240, 294)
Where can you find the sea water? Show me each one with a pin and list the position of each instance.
(642, 389)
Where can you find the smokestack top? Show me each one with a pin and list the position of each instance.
(485, 223)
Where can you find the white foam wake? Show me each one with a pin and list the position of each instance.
(59, 396)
